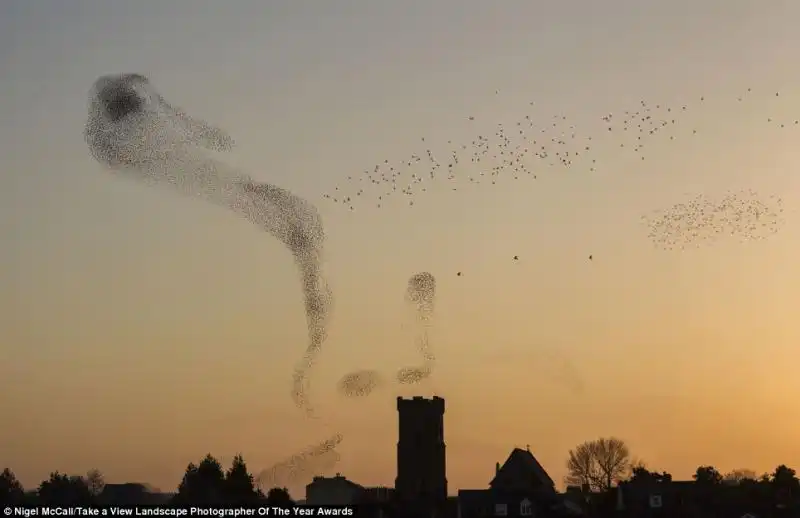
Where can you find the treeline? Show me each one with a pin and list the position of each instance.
(204, 483)
(598, 470)
(601, 464)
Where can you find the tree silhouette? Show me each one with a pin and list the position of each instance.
(599, 463)
(708, 476)
(189, 489)
(279, 496)
(64, 490)
(11, 491)
(785, 483)
(206, 484)
(640, 474)
(202, 484)
(737, 476)
(95, 482)
(636, 462)
(239, 485)
(211, 478)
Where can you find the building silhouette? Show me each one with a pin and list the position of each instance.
(421, 455)
(336, 490)
(132, 493)
(520, 486)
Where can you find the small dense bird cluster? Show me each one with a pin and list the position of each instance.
(420, 297)
(702, 220)
(359, 383)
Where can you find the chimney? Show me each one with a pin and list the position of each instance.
(497, 468)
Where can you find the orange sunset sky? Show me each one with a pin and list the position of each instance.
(140, 330)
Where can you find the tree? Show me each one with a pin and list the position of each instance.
(212, 478)
(635, 463)
(239, 485)
(707, 476)
(202, 484)
(64, 490)
(784, 481)
(189, 488)
(599, 463)
(95, 482)
(738, 476)
(640, 474)
(11, 491)
(279, 496)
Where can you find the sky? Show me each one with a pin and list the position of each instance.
(140, 330)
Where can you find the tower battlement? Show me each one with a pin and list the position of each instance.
(434, 404)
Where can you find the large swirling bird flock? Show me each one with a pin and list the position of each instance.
(132, 130)
(135, 133)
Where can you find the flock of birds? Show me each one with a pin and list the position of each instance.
(704, 219)
(314, 459)
(134, 131)
(533, 146)
(420, 297)
(526, 149)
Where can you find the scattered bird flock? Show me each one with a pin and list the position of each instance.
(134, 132)
(534, 146)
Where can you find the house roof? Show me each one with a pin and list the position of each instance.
(132, 492)
(524, 459)
(338, 479)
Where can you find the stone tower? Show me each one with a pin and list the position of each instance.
(421, 458)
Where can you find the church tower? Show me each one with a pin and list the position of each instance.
(421, 458)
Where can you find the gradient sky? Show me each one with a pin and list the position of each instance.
(140, 330)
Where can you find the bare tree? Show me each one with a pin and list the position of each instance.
(95, 481)
(599, 463)
(738, 475)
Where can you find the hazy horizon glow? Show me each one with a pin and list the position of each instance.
(139, 332)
